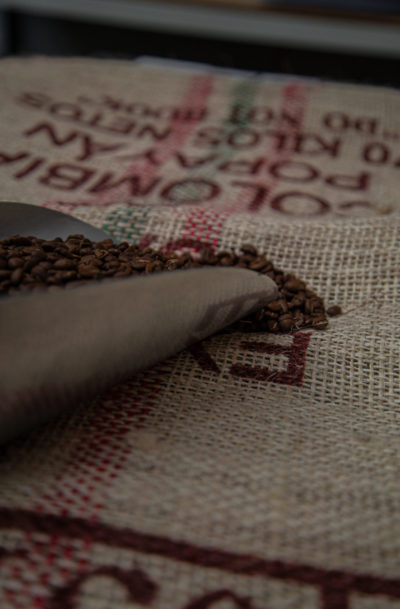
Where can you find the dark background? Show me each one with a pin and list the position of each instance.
(28, 34)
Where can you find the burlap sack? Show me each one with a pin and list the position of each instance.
(253, 471)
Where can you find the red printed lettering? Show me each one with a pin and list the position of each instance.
(301, 204)
(366, 125)
(150, 156)
(139, 587)
(65, 176)
(294, 354)
(50, 130)
(134, 183)
(153, 133)
(340, 121)
(211, 600)
(293, 171)
(280, 139)
(7, 159)
(190, 114)
(376, 153)
(66, 110)
(209, 137)
(258, 193)
(336, 121)
(242, 166)
(36, 100)
(152, 112)
(90, 148)
(191, 163)
(348, 182)
(118, 124)
(261, 115)
(31, 167)
(316, 145)
(243, 138)
(350, 206)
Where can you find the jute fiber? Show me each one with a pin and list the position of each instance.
(254, 471)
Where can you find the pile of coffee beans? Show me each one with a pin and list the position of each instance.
(32, 264)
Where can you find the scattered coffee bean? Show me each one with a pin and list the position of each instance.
(33, 264)
(334, 310)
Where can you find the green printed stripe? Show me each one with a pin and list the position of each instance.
(127, 224)
(242, 94)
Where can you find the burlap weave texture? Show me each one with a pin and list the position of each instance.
(254, 471)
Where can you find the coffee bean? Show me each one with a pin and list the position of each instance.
(88, 271)
(34, 264)
(272, 325)
(284, 305)
(334, 310)
(294, 285)
(247, 248)
(86, 251)
(321, 324)
(308, 306)
(246, 258)
(66, 275)
(259, 315)
(274, 306)
(91, 260)
(225, 261)
(14, 262)
(208, 257)
(77, 237)
(53, 279)
(18, 240)
(49, 246)
(39, 272)
(100, 253)
(139, 264)
(258, 263)
(64, 264)
(16, 275)
(286, 323)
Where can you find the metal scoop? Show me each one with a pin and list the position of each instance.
(57, 349)
(26, 220)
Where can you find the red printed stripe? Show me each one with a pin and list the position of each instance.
(202, 228)
(294, 100)
(334, 586)
(84, 480)
(82, 483)
(203, 224)
(294, 103)
(197, 93)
